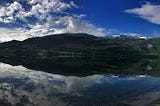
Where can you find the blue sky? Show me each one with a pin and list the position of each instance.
(111, 14)
(22, 19)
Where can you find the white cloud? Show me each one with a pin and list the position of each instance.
(147, 11)
(73, 4)
(13, 34)
(7, 13)
(42, 18)
(79, 26)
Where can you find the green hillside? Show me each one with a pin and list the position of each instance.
(77, 51)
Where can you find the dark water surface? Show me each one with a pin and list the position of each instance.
(20, 86)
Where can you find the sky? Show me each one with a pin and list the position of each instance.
(22, 19)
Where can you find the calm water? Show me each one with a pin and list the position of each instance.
(20, 86)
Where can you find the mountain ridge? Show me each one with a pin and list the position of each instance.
(74, 50)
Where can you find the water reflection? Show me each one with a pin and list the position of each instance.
(20, 86)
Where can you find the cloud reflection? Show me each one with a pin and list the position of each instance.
(25, 87)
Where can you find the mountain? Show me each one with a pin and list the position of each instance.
(72, 50)
(127, 37)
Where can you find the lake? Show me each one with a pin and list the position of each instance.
(20, 86)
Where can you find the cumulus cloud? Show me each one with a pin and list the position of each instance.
(32, 18)
(147, 11)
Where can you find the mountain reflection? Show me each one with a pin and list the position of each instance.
(20, 86)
